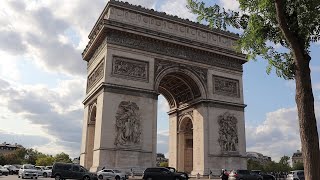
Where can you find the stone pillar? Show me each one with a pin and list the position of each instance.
(113, 151)
(83, 153)
(173, 141)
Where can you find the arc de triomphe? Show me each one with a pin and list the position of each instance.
(135, 54)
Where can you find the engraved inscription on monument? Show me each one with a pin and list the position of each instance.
(225, 86)
(228, 134)
(128, 124)
(95, 76)
(129, 68)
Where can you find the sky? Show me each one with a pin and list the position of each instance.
(43, 78)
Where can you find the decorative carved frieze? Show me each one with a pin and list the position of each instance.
(128, 124)
(95, 75)
(161, 65)
(228, 133)
(223, 39)
(130, 68)
(174, 50)
(225, 86)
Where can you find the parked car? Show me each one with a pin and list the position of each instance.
(244, 175)
(71, 171)
(12, 169)
(296, 175)
(108, 174)
(28, 171)
(161, 173)
(264, 175)
(4, 171)
(49, 167)
(43, 171)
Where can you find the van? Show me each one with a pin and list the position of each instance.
(71, 171)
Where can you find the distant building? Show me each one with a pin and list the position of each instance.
(6, 148)
(255, 156)
(161, 158)
(297, 157)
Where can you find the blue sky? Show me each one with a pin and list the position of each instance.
(43, 77)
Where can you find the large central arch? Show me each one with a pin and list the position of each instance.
(135, 54)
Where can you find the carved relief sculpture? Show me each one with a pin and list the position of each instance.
(130, 68)
(228, 134)
(225, 86)
(128, 124)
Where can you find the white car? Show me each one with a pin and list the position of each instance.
(28, 171)
(4, 171)
(43, 171)
(296, 175)
(111, 174)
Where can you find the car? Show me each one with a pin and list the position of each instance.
(108, 174)
(4, 171)
(264, 175)
(12, 169)
(71, 171)
(28, 171)
(244, 175)
(296, 175)
(43, 171)
(161, 173)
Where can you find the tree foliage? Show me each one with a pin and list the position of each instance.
(271, 166)
(261, 29)
(31, 156)
(298, 166)
(62, 157)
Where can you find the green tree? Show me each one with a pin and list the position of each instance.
(2, 160)
(284, 165)
(271, 167)
(298, 166)
(45, 160)
(254, 165)
(62, 157)
(294, 24)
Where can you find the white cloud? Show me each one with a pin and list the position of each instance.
(177, 8)
(230, 4)
(278, 135)
(53, 113)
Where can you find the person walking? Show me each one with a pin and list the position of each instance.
(224, 175)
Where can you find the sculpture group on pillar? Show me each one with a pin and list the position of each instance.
(228, 135)
(128, 125)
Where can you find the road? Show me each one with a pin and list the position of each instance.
(15, 177)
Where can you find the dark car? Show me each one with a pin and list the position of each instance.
(244, 175)
(264, 175)
(162, 173)
(71, 171)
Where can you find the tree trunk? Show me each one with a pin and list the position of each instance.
(304, 97)
(307, 120)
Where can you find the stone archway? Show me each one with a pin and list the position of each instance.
(91, 133)
(185, 145)
(135, 54)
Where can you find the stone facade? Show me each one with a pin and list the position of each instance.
(297, 157)
(135, 54)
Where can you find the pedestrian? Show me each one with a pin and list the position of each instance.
(224, 175)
